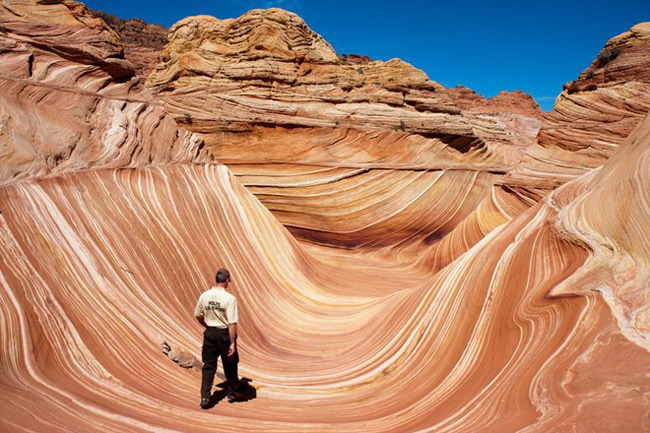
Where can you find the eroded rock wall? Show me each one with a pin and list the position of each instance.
(274, 101)
(70, 100)
(592, 116)
(142, 42)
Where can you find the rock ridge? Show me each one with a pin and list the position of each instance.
(516, 102)
(142, 42)
(70, 100)
(226, 79)
(592, 116)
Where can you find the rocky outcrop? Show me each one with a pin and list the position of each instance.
(142, 42)
(354, 59)
(516, 102)
(275, 102)
(71, 101)
(592, 116)
(515, 112)
(598, 111)
(230, 79)
(64, 28)
(623, 59)
(273, 69)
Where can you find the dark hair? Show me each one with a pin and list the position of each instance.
(222, 276)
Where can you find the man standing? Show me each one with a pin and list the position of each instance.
(216, 310)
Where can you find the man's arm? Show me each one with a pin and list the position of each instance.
(232, 331)
(198, 312)
(233, 318)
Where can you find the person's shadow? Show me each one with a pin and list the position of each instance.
(246, 393)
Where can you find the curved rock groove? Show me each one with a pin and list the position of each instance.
(387, 280)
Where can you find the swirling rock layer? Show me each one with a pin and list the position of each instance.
(69, 100)
(592, 116)
(267, 93)
(618, 239)
(142, 42)
(454, 302)
(476, 346)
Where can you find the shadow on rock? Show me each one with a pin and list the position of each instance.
(216, 397)
(246, 392)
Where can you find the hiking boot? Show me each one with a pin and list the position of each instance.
(231, 397)
(205, 402)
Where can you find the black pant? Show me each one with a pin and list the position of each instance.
(216, 341)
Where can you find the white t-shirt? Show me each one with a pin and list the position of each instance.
(217, 307)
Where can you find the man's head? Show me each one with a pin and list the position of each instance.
(223, 277)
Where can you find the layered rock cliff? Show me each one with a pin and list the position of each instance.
(71, 101)
(142, 42)
(268, 69)
(592, 116)
(296, 123)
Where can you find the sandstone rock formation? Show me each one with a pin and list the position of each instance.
(478, 346)
(516, 102)
(618, 240)
(517, 112)
(267, 68)
(598, 111)
(354, 59)
(296, 123)
(518, 315)
(142, 42)
(70, 101)
(593, 115)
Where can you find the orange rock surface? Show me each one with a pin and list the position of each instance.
(505, 102)
(593, 115)
(142, 42)
(268, 69)
(388, 280)
(296, 123)
(70, 101)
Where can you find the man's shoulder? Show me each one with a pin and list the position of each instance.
(205, 292)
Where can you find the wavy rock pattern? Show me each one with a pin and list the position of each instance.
(592, 116)
(618, 266)
(268, 69)
(406, 211)
(268, 94)
(70, 102)
(462, 349)
(454, 303)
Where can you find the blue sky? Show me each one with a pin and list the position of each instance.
(534, 46)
